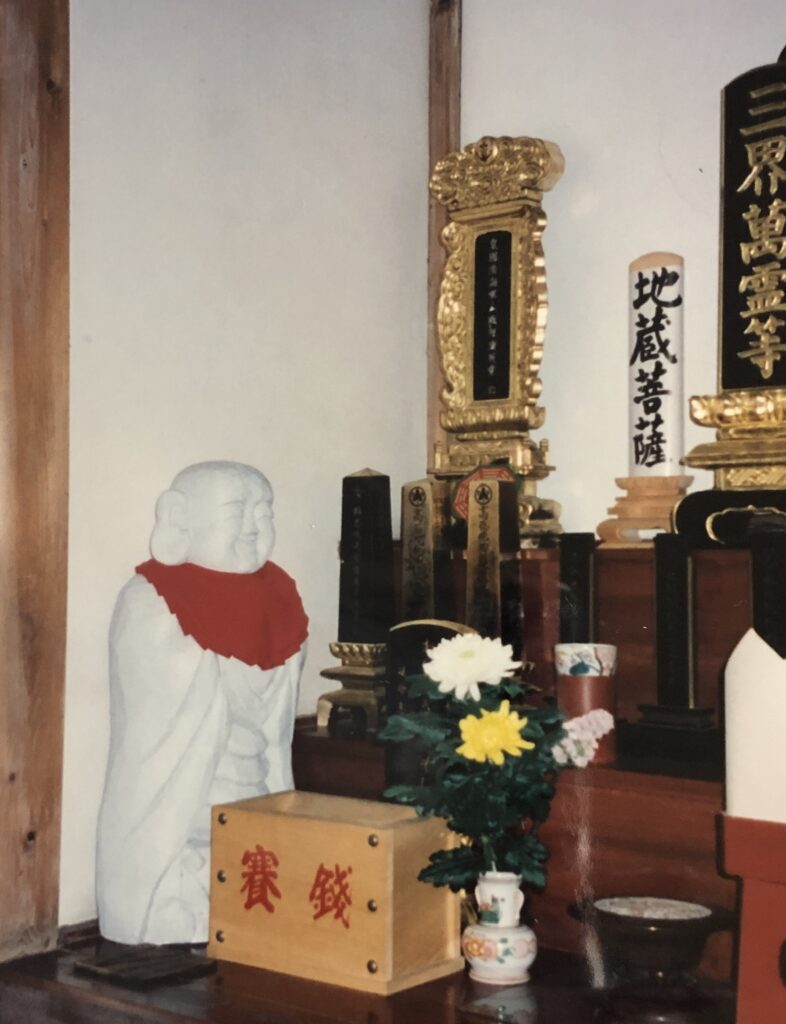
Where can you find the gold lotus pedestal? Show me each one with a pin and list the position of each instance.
(748, 460)
(749, 452)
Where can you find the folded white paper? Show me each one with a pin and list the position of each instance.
(756, 731)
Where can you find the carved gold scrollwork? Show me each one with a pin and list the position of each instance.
(496, 171)
(529, 302)
(452, 314)
(531, 308)
(754, 478)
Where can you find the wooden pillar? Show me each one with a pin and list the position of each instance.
(444, 131)
(33, 462)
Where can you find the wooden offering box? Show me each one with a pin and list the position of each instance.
(325, 888)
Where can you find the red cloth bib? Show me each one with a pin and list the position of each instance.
(256, 617)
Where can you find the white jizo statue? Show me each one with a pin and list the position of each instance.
(206, 648)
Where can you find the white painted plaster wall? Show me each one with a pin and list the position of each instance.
(248, 282)
(631, 92)
(248, 262)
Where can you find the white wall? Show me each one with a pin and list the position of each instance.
(248, 282)
(631, 92)
(248, 262)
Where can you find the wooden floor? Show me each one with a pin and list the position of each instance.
(44, 989)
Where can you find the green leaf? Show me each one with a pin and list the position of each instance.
(397, 729)
(403, 794)
(511, 689)
(458, 868)
(423, 686)
(496, 807)
(426, 724)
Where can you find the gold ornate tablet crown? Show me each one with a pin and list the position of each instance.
(494, 171)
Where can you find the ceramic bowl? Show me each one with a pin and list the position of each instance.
(652, 938)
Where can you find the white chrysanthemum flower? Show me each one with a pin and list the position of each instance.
(560, 756)
(578, 729)
(579, 746)
(461, 663)
(598, 722)
(592, 725)
(583, 754)
(574, 752)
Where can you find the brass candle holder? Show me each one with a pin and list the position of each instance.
(362, 690)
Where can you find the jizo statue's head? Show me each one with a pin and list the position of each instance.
(218, 515)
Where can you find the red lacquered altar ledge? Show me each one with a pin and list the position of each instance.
(756, 851)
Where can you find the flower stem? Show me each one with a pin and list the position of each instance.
(489, 859)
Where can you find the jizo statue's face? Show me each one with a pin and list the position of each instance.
(230, 517)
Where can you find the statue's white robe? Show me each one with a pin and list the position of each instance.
(190, 728)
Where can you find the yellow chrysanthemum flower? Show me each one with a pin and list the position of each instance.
(493, 735)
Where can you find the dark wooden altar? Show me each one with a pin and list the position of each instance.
(610, 830)
(625, 601)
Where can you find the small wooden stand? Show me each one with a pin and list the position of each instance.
(141, 967)
(647, 505)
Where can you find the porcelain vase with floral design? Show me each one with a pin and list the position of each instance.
(498, 949)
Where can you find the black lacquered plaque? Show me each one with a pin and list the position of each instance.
(768, 584)
(674, 618)
(577, 588)
(491, 329)
(753, 230)
(722, 519)
(366, 596)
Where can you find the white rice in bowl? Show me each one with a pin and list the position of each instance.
(652, 907)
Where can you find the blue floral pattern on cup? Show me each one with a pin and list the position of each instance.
(585, 659)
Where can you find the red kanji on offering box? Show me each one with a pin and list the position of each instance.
(330, 893)
(260, 878)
